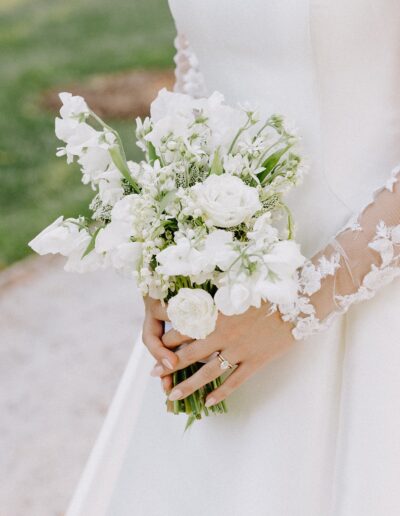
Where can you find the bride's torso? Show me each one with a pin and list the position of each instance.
(333, 66)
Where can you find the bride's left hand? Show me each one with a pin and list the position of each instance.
(249, 341)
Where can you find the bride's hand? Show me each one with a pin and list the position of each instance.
(249, 340)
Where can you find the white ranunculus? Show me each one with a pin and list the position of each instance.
(61, 237)
(225, 200)
(182, 259)
(193, 313)
(73, 106)
(284, 258)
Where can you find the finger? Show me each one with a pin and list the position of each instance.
(166, 383)
(196, 351)
(173, 338)
(206, 374)
(156, 309)
(237, 378)
(152, 331)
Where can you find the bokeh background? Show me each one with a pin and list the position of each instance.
(64, 339)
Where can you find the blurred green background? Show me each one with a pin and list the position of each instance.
(48, 44)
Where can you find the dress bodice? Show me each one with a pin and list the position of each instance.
(331, 66)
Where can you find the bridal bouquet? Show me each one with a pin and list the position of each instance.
(200, 223)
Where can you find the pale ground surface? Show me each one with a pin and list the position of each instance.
(64, 342)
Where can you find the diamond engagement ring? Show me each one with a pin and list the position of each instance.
(224, 364)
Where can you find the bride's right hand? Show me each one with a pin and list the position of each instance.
(153, 330)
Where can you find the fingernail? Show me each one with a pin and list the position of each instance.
(167, 363)
(176, 394)
(210, 402)
(157, 370)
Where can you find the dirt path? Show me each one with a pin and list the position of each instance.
(64, 342)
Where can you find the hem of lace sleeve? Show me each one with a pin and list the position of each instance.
(385, 242)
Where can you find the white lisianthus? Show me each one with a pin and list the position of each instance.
(61, 237)
(193, 313)
(226, 201)
(234, 299)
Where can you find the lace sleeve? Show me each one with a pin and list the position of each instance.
(361, 259)
(189, 79)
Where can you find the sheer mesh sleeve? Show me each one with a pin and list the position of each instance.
(361, 259)
(189, 79)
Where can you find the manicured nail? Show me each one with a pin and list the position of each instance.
(157, 370)
(210, 402)
(176, 394)
(167, 363)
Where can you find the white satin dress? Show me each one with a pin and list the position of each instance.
(317, 432)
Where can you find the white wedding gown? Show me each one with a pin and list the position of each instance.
(317, 432)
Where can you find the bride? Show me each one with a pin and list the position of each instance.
(314, 423)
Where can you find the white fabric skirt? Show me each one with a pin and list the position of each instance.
(315, 433)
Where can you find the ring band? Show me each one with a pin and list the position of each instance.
(224, 363)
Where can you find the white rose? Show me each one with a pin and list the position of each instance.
(61, 237)
(193, 313)
(225, 200)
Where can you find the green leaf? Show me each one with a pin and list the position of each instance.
(92, 243)
(216, 166)
(152, 153)
(271, 162)
(121, 164)
(169, 197)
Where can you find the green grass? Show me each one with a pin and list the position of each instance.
(51, 43)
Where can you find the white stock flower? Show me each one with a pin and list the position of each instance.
(61, 237)
(225, 200)
(193, 313)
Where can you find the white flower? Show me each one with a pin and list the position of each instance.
(280, 292)
(182, 259)
(126, 257)
(137, 213)
(284, 259)
(114, 234)
(73, 106)
(61, 237)
(226, 201)
(218, 250)
(110, 187)
(234, 298)
(193, 313)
